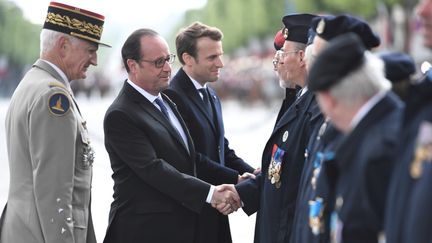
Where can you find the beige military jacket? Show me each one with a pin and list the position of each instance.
(50, 162)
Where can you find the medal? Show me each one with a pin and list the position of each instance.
(275, 166)
(316, 209)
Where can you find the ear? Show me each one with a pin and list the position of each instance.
(133, 65)
(302, 55)
(188, 59)
(63, 46)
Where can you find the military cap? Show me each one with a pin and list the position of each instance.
(343, 55)
(328, 27)
(74, 21)
(398, 66)
(297, 27)
(279, 40)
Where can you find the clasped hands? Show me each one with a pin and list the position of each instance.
(226, 199)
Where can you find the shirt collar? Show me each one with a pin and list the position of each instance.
(366, 108)
(144, 93)
(196, 84)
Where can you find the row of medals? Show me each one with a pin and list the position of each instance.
(274, 173)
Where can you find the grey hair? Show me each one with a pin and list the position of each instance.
(48, 39)
(363, 83)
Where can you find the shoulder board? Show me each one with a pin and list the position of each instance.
(53, 84)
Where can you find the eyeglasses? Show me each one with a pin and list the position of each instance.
(160, 62)
(282, 54)
(279, 55)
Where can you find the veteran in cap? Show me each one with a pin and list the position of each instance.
(353, 92)
(273, 193)
(49, 151)
(314, 201)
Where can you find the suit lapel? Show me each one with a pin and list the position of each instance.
(182, 123)
(149, 108)
(188, 87)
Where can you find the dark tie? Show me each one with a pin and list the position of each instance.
(206, 100)
(162, 107)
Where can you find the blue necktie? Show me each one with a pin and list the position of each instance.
(206, 100)
(162, 107)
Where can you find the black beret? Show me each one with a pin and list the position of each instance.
(279, 40)
(398, 66)
(328, 27)
(311, 36)
(297, 27)
(75, 21)
(343, 55)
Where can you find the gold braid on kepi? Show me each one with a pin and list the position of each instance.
(75, 21)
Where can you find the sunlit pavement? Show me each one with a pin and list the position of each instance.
(247, 129)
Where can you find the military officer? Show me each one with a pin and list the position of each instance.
(273, 193)
(353, 92)
(409, 201)
(50, 154)
(310, 221)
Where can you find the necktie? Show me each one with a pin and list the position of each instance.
(162, 107)
(206, 100)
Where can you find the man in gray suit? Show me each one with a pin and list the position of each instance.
(50, 156)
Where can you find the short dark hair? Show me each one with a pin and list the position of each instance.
(186, 40)
(132, 47)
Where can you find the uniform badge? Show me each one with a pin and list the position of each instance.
(285, 136)
(317, 164)
(423, 150)
(320, 27)
(58, 104)
(285, 33)
(316, 211)
(275, 167)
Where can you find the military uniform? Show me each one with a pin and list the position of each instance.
(274, 191)
(409, 190)
(310, 220)
(50, 163)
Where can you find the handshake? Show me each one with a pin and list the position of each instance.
(225, 197)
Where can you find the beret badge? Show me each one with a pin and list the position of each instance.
(285, 33)
(320, 27)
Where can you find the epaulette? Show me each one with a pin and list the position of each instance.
(53, 84)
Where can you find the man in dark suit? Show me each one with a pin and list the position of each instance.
(199, 48)
(274, 191)
(157, 197)
(353, 92)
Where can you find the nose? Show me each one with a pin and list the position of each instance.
(93, 59)
(219, 62)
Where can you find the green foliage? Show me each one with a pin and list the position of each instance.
(19, 40)
(241, 20)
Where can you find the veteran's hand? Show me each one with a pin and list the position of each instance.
(257, 171)
(245, 176)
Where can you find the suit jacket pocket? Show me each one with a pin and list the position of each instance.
(153, 207)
